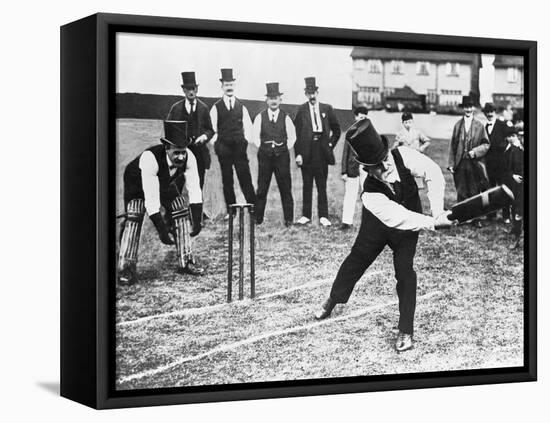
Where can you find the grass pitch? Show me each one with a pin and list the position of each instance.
(175, 330)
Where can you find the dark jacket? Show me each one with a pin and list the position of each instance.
(350, 166)
(513, 164)
(304, 132)
(203, 125)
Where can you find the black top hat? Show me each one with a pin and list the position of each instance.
(489, 108)
(273, 89)
(175, 133)
(467, 101)
(369, 146)
(189, 80)
(227, 75)
(311, 85)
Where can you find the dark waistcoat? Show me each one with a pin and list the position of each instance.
(230, 122)
(170, 186)
(273, 132)
(192, 120)
(405, 192)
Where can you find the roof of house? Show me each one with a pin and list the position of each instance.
(502, 60)
(413, 55)
(405, 93)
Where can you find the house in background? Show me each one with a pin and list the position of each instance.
(383, 77)
(509, 80)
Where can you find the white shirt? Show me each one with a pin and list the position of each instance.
(468, 122)
(247, 123)
(257, 129)
(188, 106)
(314, 113)
(395, 215)
(150, 181)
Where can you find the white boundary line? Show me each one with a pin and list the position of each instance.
(206, 309)
(254, 339)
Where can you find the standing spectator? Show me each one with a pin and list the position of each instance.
(317, 132)
(409, 136)
(233, 127)
(497, 131)
(274, 135)
(469, 145)
(513, 178)
(353, 176)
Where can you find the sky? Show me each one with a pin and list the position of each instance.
(152, 64)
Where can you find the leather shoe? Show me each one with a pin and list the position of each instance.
(192, 269)
(326, 309)
(404, 342)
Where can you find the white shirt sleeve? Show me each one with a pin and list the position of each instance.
(423, 167)
(214, 119)
(247, 125)
(394, 215)
(150, 182)
(256, 131)
(192, 181)
(290, 132)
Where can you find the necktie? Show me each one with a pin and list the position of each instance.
(272, 118)
(230, 104)
(489, 126)
(192, 106)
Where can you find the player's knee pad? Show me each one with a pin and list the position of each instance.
(182, 230)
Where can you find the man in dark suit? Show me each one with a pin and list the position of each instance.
(513, 178)
(468, 148)
(317, 132)
(497, 131)
(233, 130)
(196, 114)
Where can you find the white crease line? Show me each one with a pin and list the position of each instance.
(253, 339)
(206, 309)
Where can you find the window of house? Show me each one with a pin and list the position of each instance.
(375, 66)
(513, 75)
(423, 68)
(368, 94)
(397, 66)
(359, 64)
(453, 69)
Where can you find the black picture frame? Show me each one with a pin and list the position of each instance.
(88, 227)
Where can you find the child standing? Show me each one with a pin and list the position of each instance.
(410, 136)
(513, 178)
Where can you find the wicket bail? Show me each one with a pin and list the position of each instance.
(239, 209)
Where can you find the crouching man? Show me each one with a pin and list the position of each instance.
(154, 182)
(392, 216)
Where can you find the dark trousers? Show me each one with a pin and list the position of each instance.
(470, 178)
(318, 173)
(495, 172)
(239, 160)
(280, 166)
(365, 250)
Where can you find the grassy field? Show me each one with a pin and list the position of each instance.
(175, 330)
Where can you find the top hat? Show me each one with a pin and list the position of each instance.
(273, 89)
(227, 75)
(311, 85)
(189, 80)
(467, 101)
(175, 133)
(489, 108)
(369, 146)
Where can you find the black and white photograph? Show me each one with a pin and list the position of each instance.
(293, 211)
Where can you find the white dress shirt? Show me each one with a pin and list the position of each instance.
(188, 106)
(273, 115)
(230, 102)
(150, 181)
(468, 122)
(314, 113)
(490, 126)
(395, 215)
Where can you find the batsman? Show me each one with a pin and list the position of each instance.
(164, 181)
(392, 216)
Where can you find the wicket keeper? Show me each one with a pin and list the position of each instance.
(155, 182)
(392, 216)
